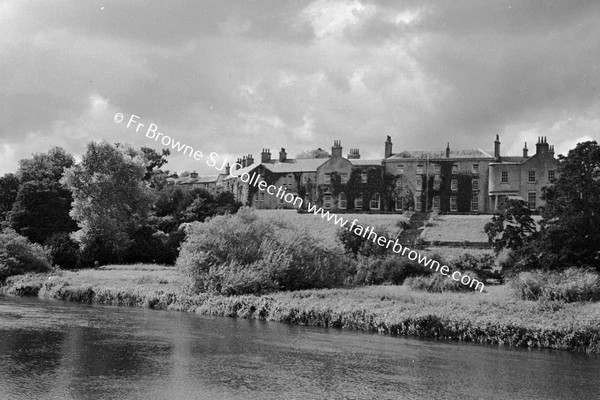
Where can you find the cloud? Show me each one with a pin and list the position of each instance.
(249, 75)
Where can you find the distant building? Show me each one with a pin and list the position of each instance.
(448, 181)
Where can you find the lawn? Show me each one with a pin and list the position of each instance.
(456, 229)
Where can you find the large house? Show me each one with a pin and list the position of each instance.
(449, 181)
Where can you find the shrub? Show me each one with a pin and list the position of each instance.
(438, 283)
(18, 255)
(570, 285)
(64, 251)
(357, 244)
(482, 264)
(244, 254)
(392, 270)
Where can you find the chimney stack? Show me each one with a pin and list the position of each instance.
(336, 150)
(354, 154)
(249, 160)
(282, 155)
(194, 175)
(497, 148)
(448, 150)
(388, 147)
(227, 169)
(265, 155)
(525, 150)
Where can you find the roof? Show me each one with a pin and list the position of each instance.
(358, 162)
(295, 165)
(472, 153)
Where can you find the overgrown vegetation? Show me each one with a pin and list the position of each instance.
(242, 253)
(569, 285)
(19, 256)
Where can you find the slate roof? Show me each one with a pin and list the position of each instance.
(472, 153)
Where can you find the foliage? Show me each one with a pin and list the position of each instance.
(511, 226)
(9, 187)
(438, 283)
(482, 264)
(317, 153)
(390, 270)
(357, 244)
(569, 285)
(111, 200)
(244, 254)
(42, 205)
(18, 255)
(64, 251)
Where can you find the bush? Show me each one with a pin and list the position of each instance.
(244, 254)
(19, 256)
(482, 264)
(391, 270)
(438, 283)
(361, 245)
(570, 285)
(64, 251)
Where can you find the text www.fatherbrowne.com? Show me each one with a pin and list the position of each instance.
(256, 180)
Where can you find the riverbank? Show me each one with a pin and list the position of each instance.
(493, 318)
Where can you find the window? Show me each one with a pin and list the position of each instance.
(475, 203)
(256, 198)
(399, 168)
(374, 204)
(399, 204)
(420, 169)
(475, 184)
(342, 201)
(327, 201)
(418, 203)
(455, 169)
(453, 204)
(358, 202)
(551, 175)
(454, 185)
(437, 169)
(419, 183)
(363, 177)
(436, 183)
(290, 179)
(280, 200)
(504, 177)
(262, 196)
(531, 200)
(307, 198)
(531, 176)
(327, 179)
(436, 202)
(344, 178)
(304, 178)
(475, 168)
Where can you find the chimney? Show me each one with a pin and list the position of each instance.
(542, 146)
(265, 155)
(227, 169)
(336, 150)
(244, 162)
(388, 147)
(354, 154)
(525, 150)
(551, 150)
(194, 175)
(249, 160)
(497, 148)
(282, 155)
(448, 150)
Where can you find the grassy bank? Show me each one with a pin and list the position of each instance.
(493, 318)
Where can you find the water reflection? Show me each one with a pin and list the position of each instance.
(55, 350)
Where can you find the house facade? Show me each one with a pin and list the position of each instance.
(449, 181)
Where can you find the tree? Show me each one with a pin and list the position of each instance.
(318, 153)
(511, 226)
(110, 198)
(9, 187)
(42, 204)
(571, 234)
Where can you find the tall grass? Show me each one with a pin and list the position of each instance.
(570, 285)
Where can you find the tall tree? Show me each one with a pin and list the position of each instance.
(9, 187)
(42, 204)
(110, 198)
(511, 226)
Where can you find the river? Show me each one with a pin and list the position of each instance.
(57, 350)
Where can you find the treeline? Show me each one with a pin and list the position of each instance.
(114, 206)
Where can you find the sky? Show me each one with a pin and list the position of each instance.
(234, 77)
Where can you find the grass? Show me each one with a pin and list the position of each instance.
(325, 230)
(457, 228)
(494, 317)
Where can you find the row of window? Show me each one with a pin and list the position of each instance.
(453, 203)
(437, 169)
(374, 203)
(453, 184)
(531, 176)
(344, 177)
